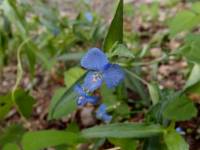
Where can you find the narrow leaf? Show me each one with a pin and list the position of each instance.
(48, 138)
(10, 10)
(122, 51)
(153, 93)
(115, 32)
(135, 84)
(72, 75)
(66, 103)
(154, 143)
(125, 144)
(123, 130)
(71, 56)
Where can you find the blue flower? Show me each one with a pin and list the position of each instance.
(102, 114)
(100, 70)
(83, 96)
(88, 16)
(180, 131)
(56, 31)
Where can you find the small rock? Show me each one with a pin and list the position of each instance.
(87, 119)
(156, 52)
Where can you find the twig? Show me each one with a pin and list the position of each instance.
(19, 77)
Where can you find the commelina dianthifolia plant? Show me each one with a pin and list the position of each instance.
(99, 71)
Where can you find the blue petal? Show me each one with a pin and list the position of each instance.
(106, 118)
(92, 99)
(101, 111)
(79, 90)
(93, 81)
(113, 75)
(94, 59)
(102, 114)
(180, 131)
(102, 108)
(88, 16)
(81, 101)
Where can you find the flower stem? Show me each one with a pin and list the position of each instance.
(137, 77)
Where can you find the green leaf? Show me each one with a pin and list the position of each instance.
(122, 110)
(196, 7)
(175, 141)
(72, 75)
(188, 20)
(5, 105)
(36, 140)
(108, 96)
(71, 56)
(56, 97)
(73, 127)
(62, 103)
(45, 11)
(179, 109)
(194, 76)
(125, 144)
(121, 92)
(47, 16)
(134, 84)
(115, 32)
(24, 102)
(11, 146)
(47, 62)
(154, 143)
(195, 89)
(123, 130)
(122, 51)
(191, 48)
(153, 93)
(192, 38)
(12, 134)
(31, 58)
(66, 103)
(10, 10)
